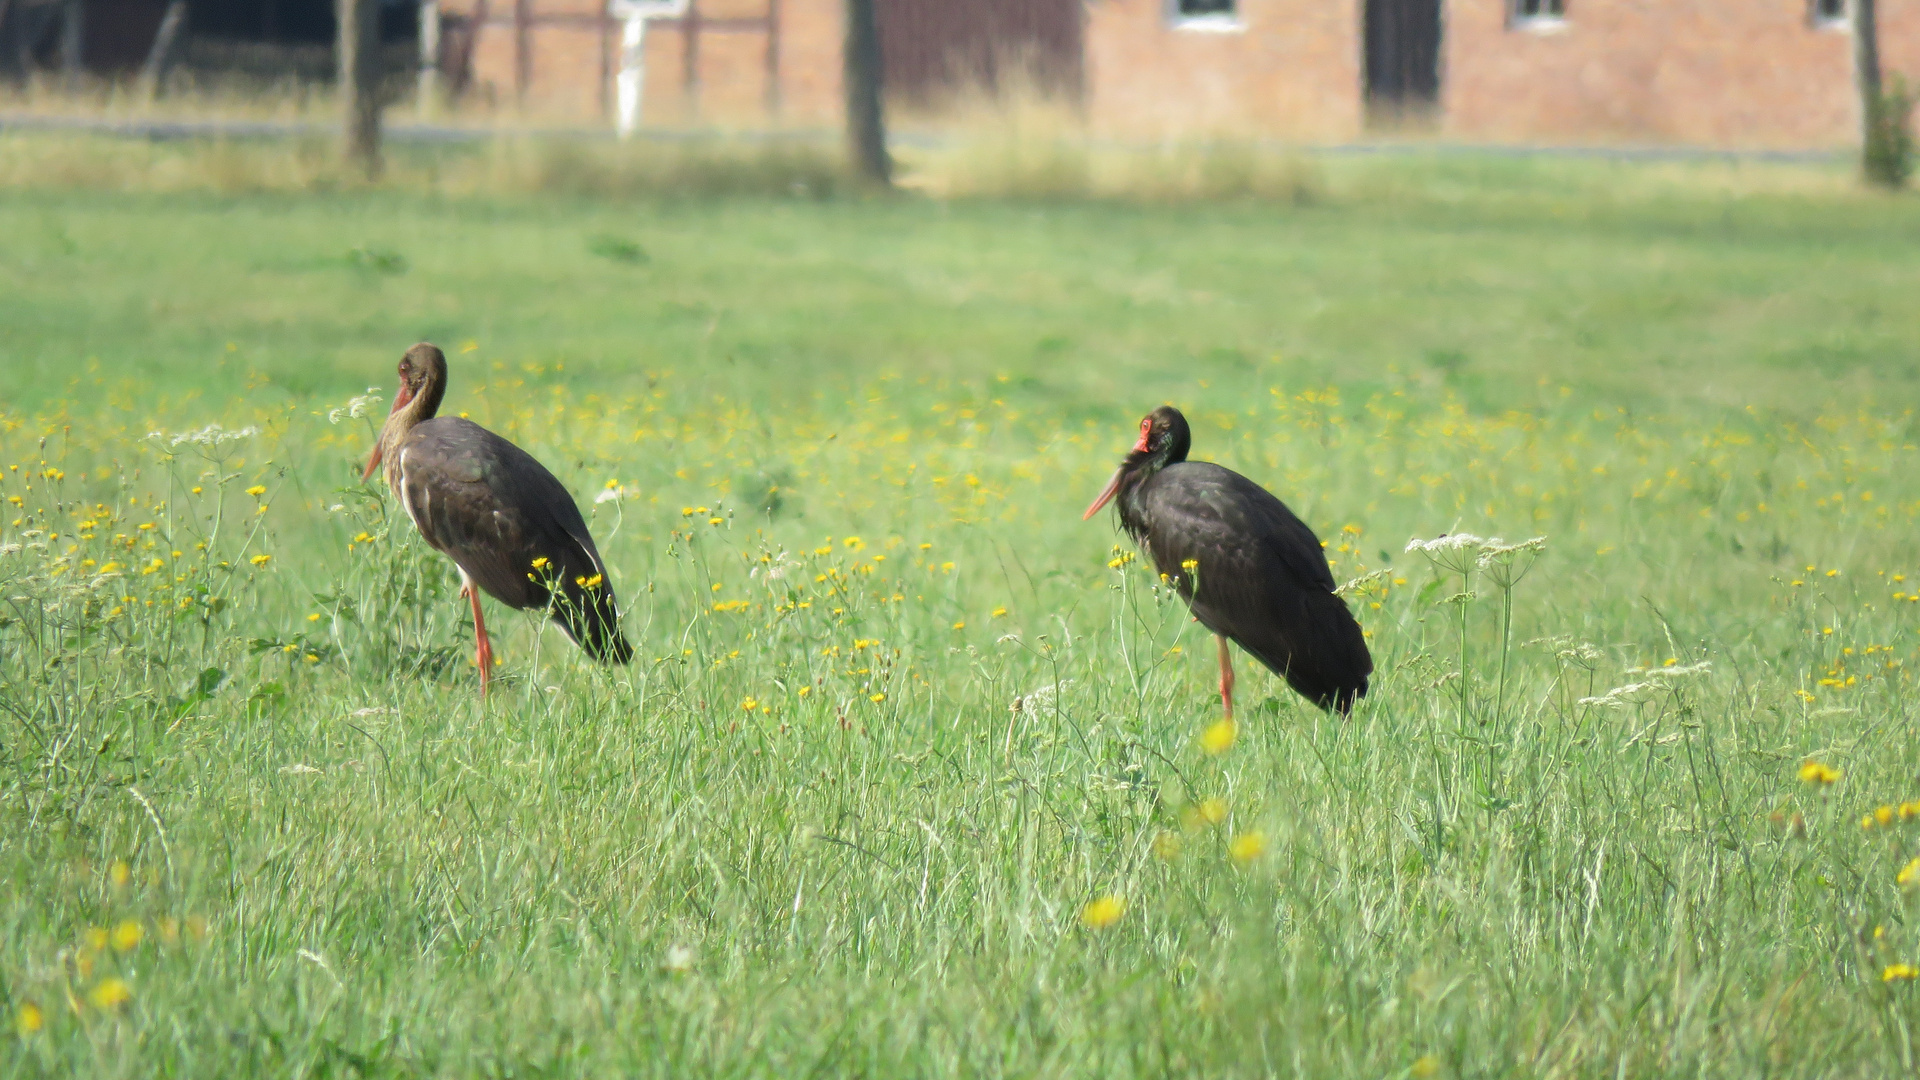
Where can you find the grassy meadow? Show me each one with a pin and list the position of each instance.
(916, 773)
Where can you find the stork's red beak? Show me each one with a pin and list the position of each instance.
(1113, 485)
(400, 399)
(1106, 495)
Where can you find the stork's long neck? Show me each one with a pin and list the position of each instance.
(1138, 468)
(401, 421)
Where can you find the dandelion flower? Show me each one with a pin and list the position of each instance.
(127, 935)
(1814, 772)
(1247, 847)
(1102, 913)
(110, 993)
(1900, 973)
(1219, 737)
(28, 1019)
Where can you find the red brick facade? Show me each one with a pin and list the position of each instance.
(1732, 73)
(1288, 68)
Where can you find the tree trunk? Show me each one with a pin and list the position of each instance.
(153, 73)
(358, 49)
(1866, 52)
(1886, 140)
(866, 127)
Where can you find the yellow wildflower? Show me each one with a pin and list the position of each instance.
(28, 1019)
(119, 872)
(126, 936)
(854, 542)
(1909, 874)
(749, 704)
(1190, 565)
(1883, 815)
(1424, 1066)
(1213, 811)
(1814, 772)
(1900, 973)
(876, 698)
(540, 563)
(261, 560)
(1247, 847)
(1219, 737)
(109, 993)
(1102, 913)
(999, 611)
(257, 490)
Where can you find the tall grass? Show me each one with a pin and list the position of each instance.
(909, 775)
(915, 773)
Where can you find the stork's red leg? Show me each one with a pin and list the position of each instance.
(1226, 676)
(483, 651)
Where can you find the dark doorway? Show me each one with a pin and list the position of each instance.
(1403, 59)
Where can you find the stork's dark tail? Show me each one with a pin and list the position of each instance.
(592, 619)
(1330, 667)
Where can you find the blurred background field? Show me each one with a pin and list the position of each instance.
(916, 773)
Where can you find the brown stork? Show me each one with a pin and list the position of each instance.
(503, 519)
(1249, 569)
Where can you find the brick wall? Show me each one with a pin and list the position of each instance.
(1292, 70)
(1730, 73)
(710, 68)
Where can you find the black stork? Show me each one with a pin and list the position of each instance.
(502, 518)
(1248, 568)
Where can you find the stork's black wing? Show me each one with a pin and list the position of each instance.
(511, 527)
(1260, 577)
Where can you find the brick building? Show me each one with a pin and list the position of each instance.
(1750, 73)
(1735, 73)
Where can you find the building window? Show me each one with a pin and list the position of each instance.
(1829, 14)
(1205, 14)
(1538, 14)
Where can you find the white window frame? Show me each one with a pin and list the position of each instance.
(1820, 21)
(1219, 22)
(1543, 23)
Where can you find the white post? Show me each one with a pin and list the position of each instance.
(429, 91)
(632, 80)
(630, 84)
